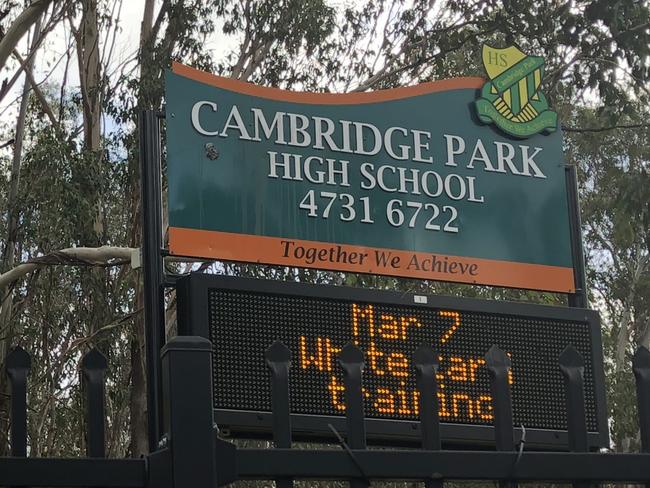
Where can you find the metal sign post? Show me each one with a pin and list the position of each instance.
(579, 298)
(463, 182)
(152, 266)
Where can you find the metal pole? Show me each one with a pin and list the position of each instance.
(93, 368)
(351, 361)
(579, 298)
(189, 422)
(641, 368)
(278, 359)
(18, 364)
(498, 364)
(573, 368)
(426, 367)
(152, 266)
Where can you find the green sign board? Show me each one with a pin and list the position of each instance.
(403, 182)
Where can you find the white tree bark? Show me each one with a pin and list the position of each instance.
(93, 256)
(19, 28)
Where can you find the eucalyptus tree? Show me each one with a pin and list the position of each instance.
(77, 204)
(615, 194)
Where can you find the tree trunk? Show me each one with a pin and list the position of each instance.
(20, 26)
(138, 396)
(9, 252)
(89, 75)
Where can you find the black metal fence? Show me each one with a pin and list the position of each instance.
(20, 470)
(510, 462)
(191, 455)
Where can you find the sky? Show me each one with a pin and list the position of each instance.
(50, 62)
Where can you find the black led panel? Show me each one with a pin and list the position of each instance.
(243, 317)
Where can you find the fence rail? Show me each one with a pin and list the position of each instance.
(191, 454)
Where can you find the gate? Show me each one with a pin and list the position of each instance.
(191, 454)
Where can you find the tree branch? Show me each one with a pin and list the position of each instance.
(87, 256)
(105, 256)
(37, 91)
(7, 85)
(243, 49)
(19, 27)
(604, 129)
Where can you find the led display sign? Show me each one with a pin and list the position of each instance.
(244, 317)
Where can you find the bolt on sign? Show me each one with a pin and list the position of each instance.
(457, 180)
(243, 317)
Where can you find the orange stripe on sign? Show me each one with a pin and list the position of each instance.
(361, 259)
(325, 98)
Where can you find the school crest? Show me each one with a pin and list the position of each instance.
(512, 99)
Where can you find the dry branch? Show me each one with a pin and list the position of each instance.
(87, 256)
(37, 91)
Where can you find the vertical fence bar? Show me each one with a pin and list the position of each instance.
(573, 367)
(188, 414)
(641, 368)
(351, 360)
(18, 365)
(278, 359)
(498, 364)
(93, 367)
(426, 367)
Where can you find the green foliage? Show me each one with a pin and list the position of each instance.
(614, 171)
(596, 75)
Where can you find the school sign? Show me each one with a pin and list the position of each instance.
(424, 181)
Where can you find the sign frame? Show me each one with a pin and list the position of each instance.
(193, 319)
(188, 239)
(157, 280)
